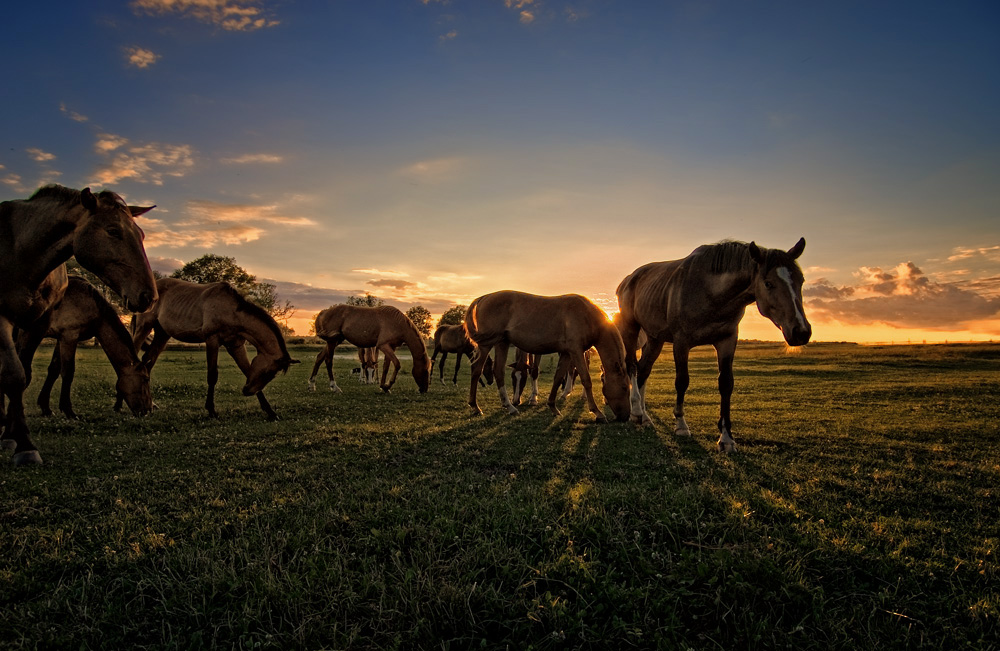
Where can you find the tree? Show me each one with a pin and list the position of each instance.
(421, 318)
(367, 301)
(211, 268)
(453, 316)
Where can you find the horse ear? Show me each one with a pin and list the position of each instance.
(88, 200)
(756, 253)
(796, 250)
(139, 210)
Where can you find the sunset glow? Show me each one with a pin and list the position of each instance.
(428, 152)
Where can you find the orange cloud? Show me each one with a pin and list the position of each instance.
(232, 15)
(144, 163)
(140, 57)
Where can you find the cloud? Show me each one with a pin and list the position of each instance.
(380, 272)
(143, 163)
(395, 284)
(39, 155)
(254, 158)
(209, 211)
(15, 182)
(165, 266)
(210, 223)
(527, 17)
(140, 58)
(232, 15)
(435, 170)
(449, 36)
(902, 297)
(991, 253)
(73, 115)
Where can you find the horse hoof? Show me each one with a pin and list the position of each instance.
(29, 458)
(600, 418)
(8, 444)
(476, 412)
(727, 447)
(683, 432)
(512, 410)
(336, 389)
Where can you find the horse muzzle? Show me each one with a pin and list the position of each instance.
(141, 303)
(798, 336)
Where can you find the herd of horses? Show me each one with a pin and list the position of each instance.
(694, 301)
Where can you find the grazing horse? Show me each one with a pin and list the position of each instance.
(369, 364)
(452, 339)
(217, 315)
(524, 368)
(384, 328)
(83, 313)
(574, 373)
(567, 325)
(700, 300)
(39, 234)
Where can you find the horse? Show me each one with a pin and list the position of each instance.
(383, 327)
(84, 313)
(369, 364)
(524, 368)
(452, 339)
(217, 315)
(568, 325)
(700, 300)
(573, 373)
(39, 234)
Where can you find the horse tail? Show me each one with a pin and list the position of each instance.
(472, 321)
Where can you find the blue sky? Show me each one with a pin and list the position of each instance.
(429, 152)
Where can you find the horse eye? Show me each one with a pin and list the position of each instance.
(769, 285)
(115, 232)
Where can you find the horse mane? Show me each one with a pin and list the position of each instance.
(259, 313)
(728, 256)
(397, 315)
(62, 194)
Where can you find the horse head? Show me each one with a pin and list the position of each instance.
(422, 372)
(109, 243)
(133, 386)
(263, 368)
(778, 290)
(616, 390)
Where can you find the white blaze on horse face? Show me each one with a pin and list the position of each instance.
(786, 275)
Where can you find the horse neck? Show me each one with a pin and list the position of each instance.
(260, 334)
(414, 342)
(44, 235)
(116, 341)
(609, 347)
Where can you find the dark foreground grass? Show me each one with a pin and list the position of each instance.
(860, 511)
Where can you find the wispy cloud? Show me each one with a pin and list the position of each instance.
(209, 223)
(40, 156)
(232, 15)
(254, 158)
(72, 115)
(143, 163)
(14, 182)
(448, 36)
(435, 170)
(381, 272)
(393, 283)
(902, 297)
(138, 57)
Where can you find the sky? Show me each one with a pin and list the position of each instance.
(431, 151)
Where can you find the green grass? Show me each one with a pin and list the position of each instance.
(860, 511)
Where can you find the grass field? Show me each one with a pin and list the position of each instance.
(861, 511)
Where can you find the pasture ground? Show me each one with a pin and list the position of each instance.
(861, 511)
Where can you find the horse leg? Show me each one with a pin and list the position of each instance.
(561, 370)
(534, 361)
(578, 361)
(681, 381)
(479, 362)
(390, 358)
(66, 348)
(45, 393)
(650, 351)
(12, 384)
(725, 351)
(444, 356)
(458, 365)
(238, 351)
(322, 356)
(212, 356)
(498, 366)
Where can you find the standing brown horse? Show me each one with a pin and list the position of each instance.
(215, 314)
(700, 300)
(36, 236)
(452, 339)
(567, 325)
(383, 327)
(83, 313)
